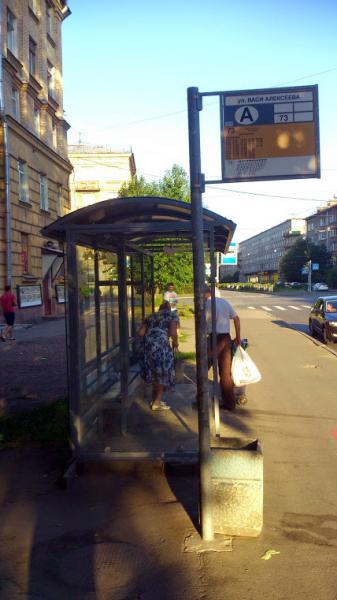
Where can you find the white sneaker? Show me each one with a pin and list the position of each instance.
(161, 406)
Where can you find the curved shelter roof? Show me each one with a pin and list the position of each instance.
(152, 223)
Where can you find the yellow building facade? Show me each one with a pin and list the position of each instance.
(34, 164)
(98, 173)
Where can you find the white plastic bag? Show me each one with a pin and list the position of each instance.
(244, 371)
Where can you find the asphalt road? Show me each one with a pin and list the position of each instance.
(292, 310)
(293, 412)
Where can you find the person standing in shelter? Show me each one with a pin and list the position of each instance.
(224, 314)
(8, 304)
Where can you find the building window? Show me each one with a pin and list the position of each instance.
(54, 134)
(34, 6)
(322, 235)
(12, 32)
(23, 181)
(37, 122)
(25, 253)
(49, 19)
(322, 221)
(51, 79)
(32, 57)
(310, 227)
(43, 192)
(15, 103)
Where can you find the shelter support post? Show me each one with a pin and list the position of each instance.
(98, 320)
(73, 335)
(196, 180)
(214, 340)
(123, 332)
(142, 284)
(153, 290)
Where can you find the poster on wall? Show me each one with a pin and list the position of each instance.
(29, 295)
(59, 294)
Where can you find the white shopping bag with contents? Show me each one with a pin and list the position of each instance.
(244, 370)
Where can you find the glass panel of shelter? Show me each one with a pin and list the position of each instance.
(99, 350)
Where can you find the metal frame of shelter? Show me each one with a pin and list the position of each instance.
(130, 230)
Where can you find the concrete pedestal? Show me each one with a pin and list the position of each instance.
(237, 481)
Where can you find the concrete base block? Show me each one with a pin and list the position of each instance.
(237, 482)
(194, 543)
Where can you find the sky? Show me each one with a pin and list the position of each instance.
(127, 67)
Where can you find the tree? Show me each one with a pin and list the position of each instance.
(175, 184)
(177, 267)
(138, 186)
(331, 278)
(297, 257)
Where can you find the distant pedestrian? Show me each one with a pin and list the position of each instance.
(224, 313)
(171, 296)
(8, 304)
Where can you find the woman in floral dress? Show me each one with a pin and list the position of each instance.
(158, 365)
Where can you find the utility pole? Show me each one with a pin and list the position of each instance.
(309, 275)
(197, 188)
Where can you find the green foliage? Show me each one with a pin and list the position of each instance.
(331, 278)
(175, 184)
(42, 426)
(138, 186)
(177, 267)
(247, 287)
(294, 260)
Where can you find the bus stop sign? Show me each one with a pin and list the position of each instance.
(270, 134)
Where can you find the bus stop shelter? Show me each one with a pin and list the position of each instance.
(109, 249)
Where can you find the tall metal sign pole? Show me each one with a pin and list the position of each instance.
(197, 188)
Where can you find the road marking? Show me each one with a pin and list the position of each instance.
(266, 308)
(251, 307)
(305, 305)
(294, 307)
(279, 307)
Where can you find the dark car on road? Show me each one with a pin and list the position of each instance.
(323, 318)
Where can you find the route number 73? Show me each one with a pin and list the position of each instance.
(283, 117)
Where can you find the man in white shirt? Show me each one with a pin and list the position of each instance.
(224, 313)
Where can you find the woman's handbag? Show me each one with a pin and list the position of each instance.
(244, 370)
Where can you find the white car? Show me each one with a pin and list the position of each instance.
(320, 287)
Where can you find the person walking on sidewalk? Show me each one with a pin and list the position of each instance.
(158, 360)
(8, 304)
(224, 314)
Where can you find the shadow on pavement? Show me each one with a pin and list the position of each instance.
(297, 326)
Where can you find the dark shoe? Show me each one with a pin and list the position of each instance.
(2, 338)
(226, 406)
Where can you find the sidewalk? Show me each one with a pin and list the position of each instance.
(33, 367)
(119, 534)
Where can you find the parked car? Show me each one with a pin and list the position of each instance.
(323, 318)
(320, 287)
(293, 284)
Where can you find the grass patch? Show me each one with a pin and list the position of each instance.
(185, 310)
(41, 426)
(183, 336)
(185, 356)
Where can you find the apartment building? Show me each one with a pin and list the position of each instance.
(260, 255)
(322, 227)
(99, 172)
(34, 165)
